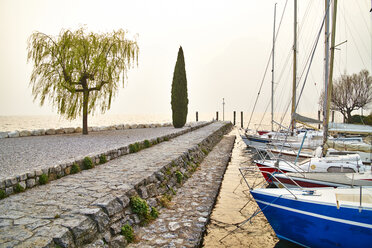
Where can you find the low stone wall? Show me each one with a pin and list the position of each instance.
(31, 179)
(115, 212)
(69, 130)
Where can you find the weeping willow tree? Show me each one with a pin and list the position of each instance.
(78, 71)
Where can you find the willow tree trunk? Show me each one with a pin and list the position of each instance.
(85, 111)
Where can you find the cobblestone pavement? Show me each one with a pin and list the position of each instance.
(19, 155)
(61, 211)
(183, 224)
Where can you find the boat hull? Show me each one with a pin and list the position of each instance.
(312, 224)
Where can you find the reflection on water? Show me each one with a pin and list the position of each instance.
(227, 227)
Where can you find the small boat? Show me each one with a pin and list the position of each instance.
(342, 163)
(319, 217)
(322, 179)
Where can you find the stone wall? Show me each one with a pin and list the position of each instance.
(31, 179)
(70, 130)
(116, 211)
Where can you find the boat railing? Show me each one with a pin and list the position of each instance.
(272, 176)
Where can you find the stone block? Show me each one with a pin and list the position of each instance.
(118, 242)
(23, 184)
(24, 133)
(3, 135)
(124, 200)
(151, 190)
(142, 191)
(69, 130)
(31, 174)
(133, 126)
(2, 184)
(38, 172)
(13, 134)
(50, 131)
(102, 220)
(127, 126)
(84, 229)
(79, 130)
(11, 181)
(109, 204)
(30, 183)
(23, 177)
(38, 132)
(60, 131)
(9, 190)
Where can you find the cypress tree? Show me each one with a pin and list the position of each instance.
(179, 92)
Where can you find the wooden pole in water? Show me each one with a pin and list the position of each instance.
(197, 117)
(216, 115)
(234, 117)
(319, 118)
(241, 119)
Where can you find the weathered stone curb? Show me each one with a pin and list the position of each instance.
(69, 130)
(30, 179)
(184, 223)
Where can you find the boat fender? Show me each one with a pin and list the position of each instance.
(313, 166)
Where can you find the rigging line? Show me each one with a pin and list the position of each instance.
(364, 20)
(311, 59)
(268, 62)
(352, 37)
(358, 34)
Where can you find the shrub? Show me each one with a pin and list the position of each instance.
(2, 194)
(134, 147)
(43, 179)
(140, 207)
(158, 140)
(87, 163)
(146, 144)
(179, 176)
(18, 188)
(102, 159)
(205, 151)
(166, 139)
(127, 232)
(154, 213)
(165, 200)
(75, 168)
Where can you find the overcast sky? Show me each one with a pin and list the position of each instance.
(226, 46)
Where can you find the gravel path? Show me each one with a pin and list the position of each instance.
(18, 155)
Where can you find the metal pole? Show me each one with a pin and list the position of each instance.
(223, 109)
(294, 83)
(241, 119)
(272, 75)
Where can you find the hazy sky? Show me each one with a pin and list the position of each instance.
(226, 46)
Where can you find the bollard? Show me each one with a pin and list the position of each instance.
(319, 118)
(241, 117)
(197, 117)
(217, 116)
(333, 116)
(234, 117)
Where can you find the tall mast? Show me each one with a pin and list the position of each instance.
(272, 75)
(293, 124)
(330, 77)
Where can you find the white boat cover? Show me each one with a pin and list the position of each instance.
(349, 146)
(349, 128)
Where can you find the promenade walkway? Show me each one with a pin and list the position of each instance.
(18, 155)
(77, 209)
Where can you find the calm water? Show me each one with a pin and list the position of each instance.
(235, 205)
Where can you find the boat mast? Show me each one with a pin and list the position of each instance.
(328, 87)
(293, 124)
(272, 75)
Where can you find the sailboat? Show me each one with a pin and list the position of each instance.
(319, 217)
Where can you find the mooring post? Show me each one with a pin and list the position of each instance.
(333, 116)
(216, 115)
(234, 117)
(241, 117)
(197, 117)
(318, 118)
